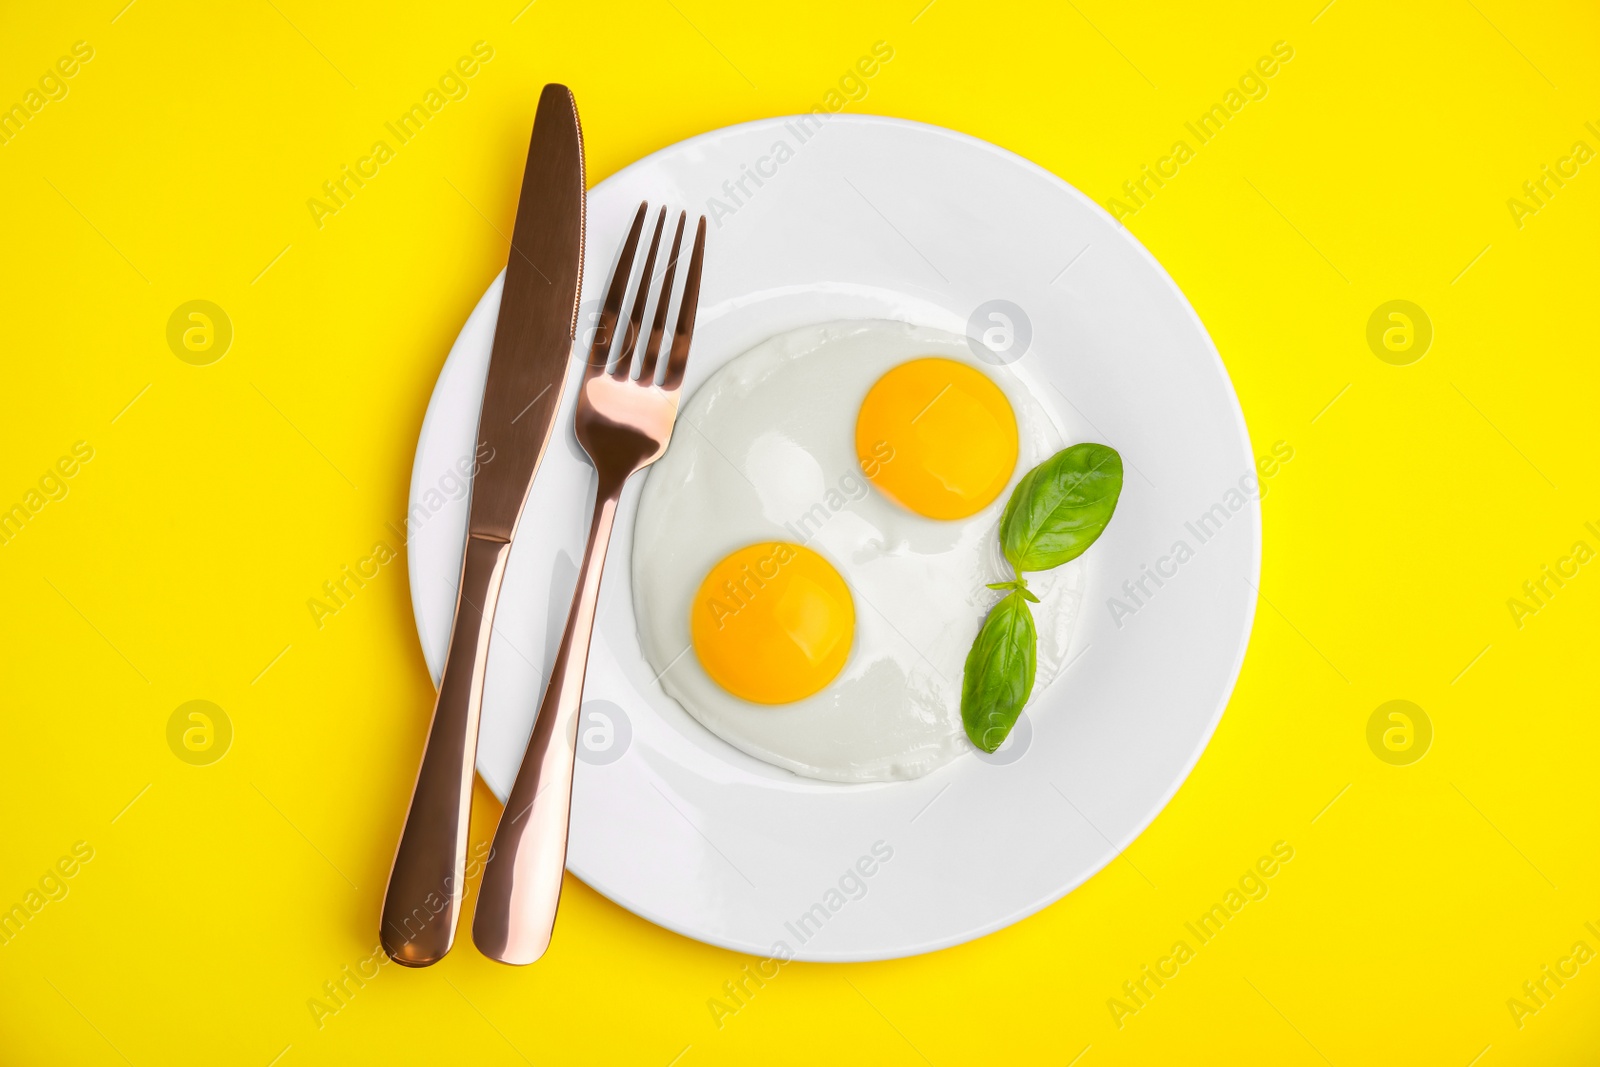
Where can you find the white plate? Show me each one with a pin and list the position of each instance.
(879, 218)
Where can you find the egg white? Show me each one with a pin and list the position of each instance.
(765, 451)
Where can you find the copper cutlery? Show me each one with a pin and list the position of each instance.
(624, 421)
(532, 347)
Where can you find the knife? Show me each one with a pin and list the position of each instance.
(532, 345)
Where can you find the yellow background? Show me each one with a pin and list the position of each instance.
(179, 564)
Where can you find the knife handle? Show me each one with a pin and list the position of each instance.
(522, 880)
(423, 900)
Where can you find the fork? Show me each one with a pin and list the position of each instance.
(624, 423)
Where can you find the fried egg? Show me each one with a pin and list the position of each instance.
(812, 554)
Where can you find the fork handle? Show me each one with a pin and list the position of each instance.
(423, 899)
(522, 880)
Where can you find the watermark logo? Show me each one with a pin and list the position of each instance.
(589, 328)
(1538, 991)
(199, 733)
(51, 887)
(50, 88)
(199, 332)
(1399, 333)
(1538, 191)
(850, 490)
(999, 332)
(1537, 592)
(1399, 733)
(739, 189)
(1252, 886)
(51, 487)
(338, 591)
(1252, 85)
(604, 733)
(1013, 748)
(454, 484)
(1142, 588)
(852, 885)
(340, 990)
(338, 192)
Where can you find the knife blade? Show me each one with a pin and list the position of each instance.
(532, 344)
(538, 317)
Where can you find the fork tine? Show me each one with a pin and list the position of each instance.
(678, 359)
(600, 347)
(647, 366)
(630, 340)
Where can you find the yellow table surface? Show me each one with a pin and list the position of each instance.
(1385, 160)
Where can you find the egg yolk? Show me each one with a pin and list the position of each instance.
(937, 437)
(772, 623)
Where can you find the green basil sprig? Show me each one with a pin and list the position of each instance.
(1056, 511)
(999, 673)
(1060, 507)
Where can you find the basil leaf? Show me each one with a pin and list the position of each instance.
(999, 672)
(1060, 507)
